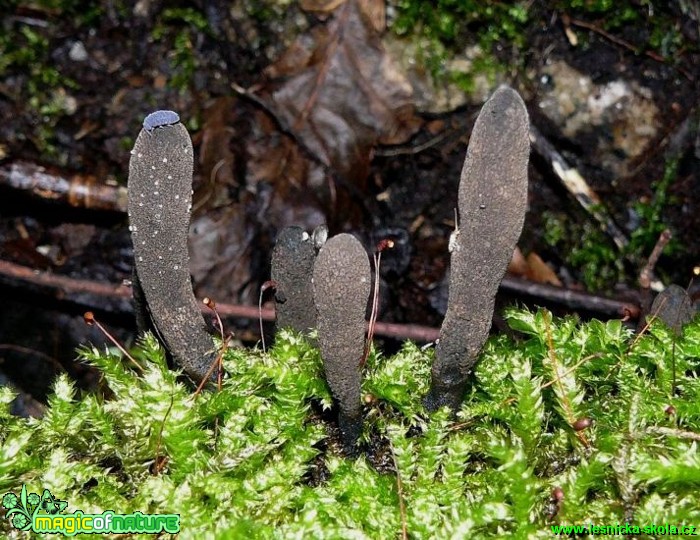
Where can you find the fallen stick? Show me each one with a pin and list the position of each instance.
(78, 191)
(575, 300)
(117, 299)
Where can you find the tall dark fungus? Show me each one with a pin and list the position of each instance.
(341, 285)
(160, 199)
(492, 204)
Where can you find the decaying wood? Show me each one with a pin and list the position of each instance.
(77, 190)
(570, 299)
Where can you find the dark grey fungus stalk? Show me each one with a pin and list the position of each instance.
(341, 285)
(160, 199)
(292, 266)
(492, 204)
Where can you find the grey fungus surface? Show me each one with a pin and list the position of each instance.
(492, 206)
(341, 286)
(160, 119)
(674, 307)
(160, 200)
(292, 266)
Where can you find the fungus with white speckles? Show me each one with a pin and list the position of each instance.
(163, 292)
(292, 265)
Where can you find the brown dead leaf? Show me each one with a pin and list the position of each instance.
(320, 6)
(540, 272)
(532, 268)
(296, 150)
(375, 11)
(348, 96)
(216, 158)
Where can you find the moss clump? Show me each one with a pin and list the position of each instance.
(256, 460)
(446, 27)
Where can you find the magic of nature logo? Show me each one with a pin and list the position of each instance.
(45, 514)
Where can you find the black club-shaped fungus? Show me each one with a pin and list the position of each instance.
(492, 205)
(341, 285)
(160, 199)
(292, 266)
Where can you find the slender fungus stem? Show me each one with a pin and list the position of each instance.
(271, 283)
(224, 342)
(377, 259)
(159, 463)
(89, 318)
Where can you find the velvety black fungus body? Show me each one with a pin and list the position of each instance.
(160, 199)
(292, 267)
(492, 205)
(341, 285)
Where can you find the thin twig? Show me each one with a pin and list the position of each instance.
(647, 274)
(572, 368)
(621, 42)
(415, 149)
(670, 432)
(576, 184)
(116, 299)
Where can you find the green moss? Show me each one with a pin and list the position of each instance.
(588, 251)
(651, 213)
(180, 26)
(242, 461)
(658, 21)
(447, 27)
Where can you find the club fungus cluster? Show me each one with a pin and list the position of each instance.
(326, 284)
